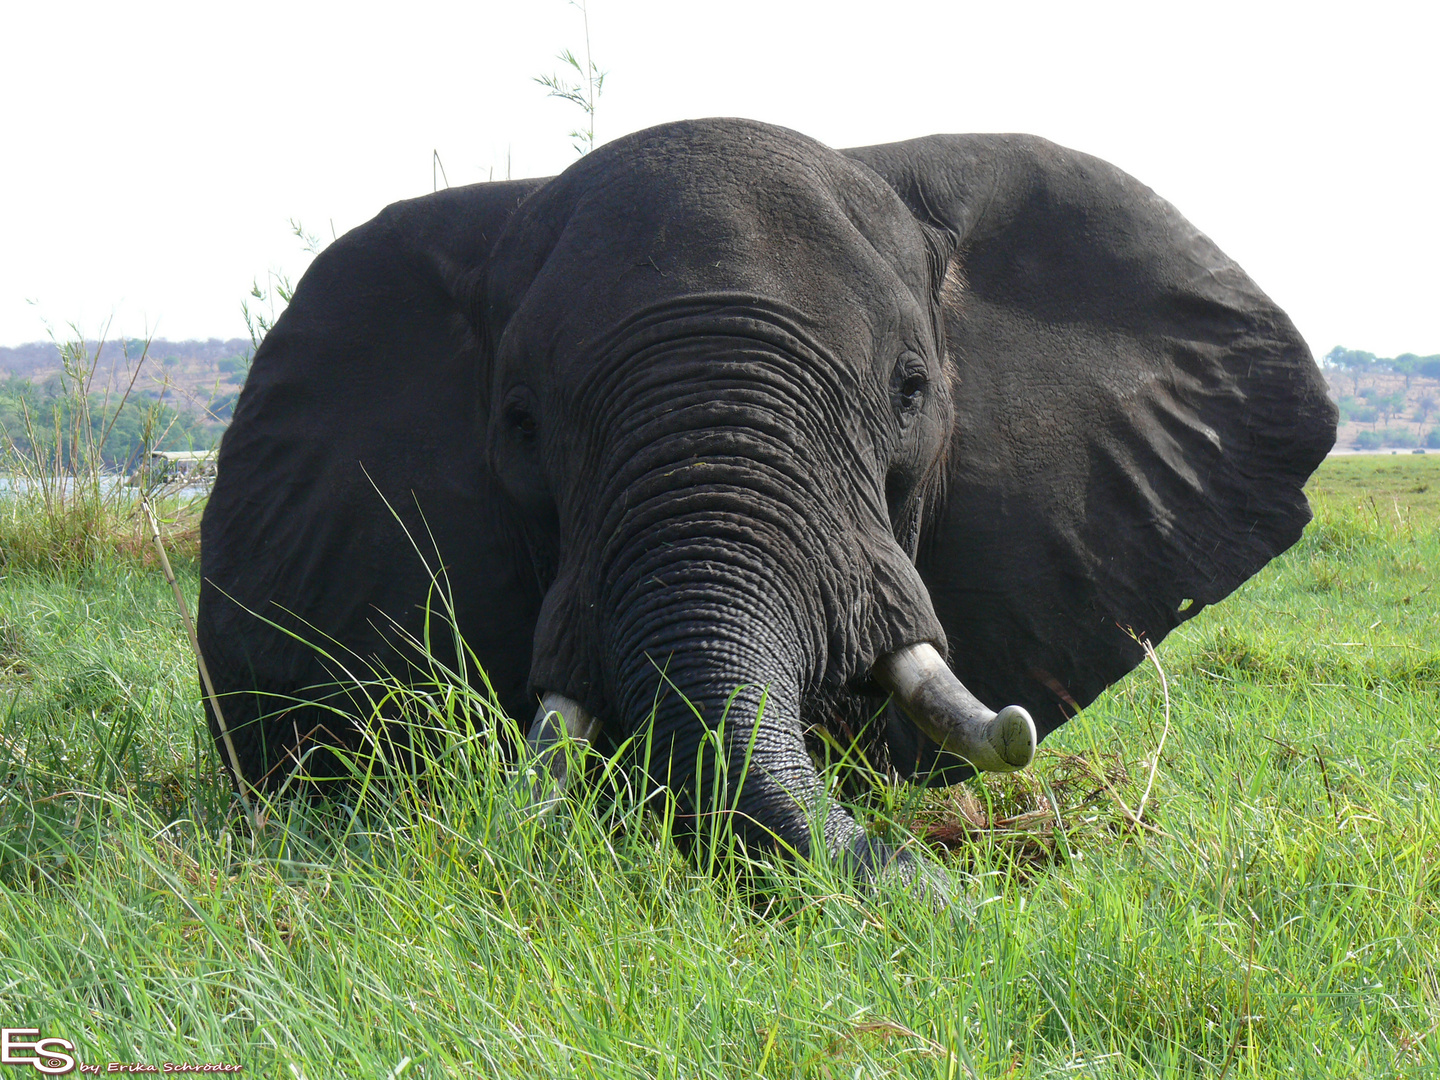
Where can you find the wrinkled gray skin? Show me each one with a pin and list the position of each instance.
(723, 403)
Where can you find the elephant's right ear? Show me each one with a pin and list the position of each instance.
(354, 469)
(1135, 419)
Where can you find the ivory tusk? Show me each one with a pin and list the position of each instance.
(558, 717)
(928, 692)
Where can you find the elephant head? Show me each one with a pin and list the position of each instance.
(730, 433)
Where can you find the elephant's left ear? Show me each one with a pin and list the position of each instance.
(1135, 418)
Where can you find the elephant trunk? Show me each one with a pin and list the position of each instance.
(714, 689)
(928, 692)
(717, 646)
(718, 578)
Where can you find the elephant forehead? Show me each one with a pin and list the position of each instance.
(690, 213)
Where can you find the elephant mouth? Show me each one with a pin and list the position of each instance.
(921, 684)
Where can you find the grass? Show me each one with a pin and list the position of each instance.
(1276, 916)
(1382, 482)
(62, 506)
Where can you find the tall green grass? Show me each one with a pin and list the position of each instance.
(63, 505)
(1277, 917)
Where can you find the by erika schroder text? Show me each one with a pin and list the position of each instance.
(53, 1056)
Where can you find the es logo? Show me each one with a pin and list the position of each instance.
(52, 1056)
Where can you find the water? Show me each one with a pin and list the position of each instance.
(110, 484)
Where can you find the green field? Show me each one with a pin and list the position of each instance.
(1275, 913)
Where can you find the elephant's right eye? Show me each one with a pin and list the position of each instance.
(912, 387)
(909, 383)
(521, 421)
(520, 413)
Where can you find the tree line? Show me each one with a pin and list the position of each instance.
(41, 421)
(1406, 364)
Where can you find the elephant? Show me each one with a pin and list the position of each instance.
(734, 437)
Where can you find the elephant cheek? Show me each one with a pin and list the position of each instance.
(898, 606)
(564, 657)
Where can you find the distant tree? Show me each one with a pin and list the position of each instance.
(223, 407)
(1352, 360)
(30, 412)
(1425, 405)
(1433, 439)
(1342, 357)
(1389, 405)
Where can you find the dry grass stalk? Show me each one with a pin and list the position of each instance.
(233, 759)
(1164, 734)
(1021, 813)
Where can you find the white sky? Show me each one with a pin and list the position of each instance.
(152, 154)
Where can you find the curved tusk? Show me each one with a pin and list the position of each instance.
(928, 692)
(557, 719)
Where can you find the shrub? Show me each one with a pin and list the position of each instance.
(1398, 437)
(1351, 410)
(1401, 437)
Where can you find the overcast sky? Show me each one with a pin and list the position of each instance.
(153, 154)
